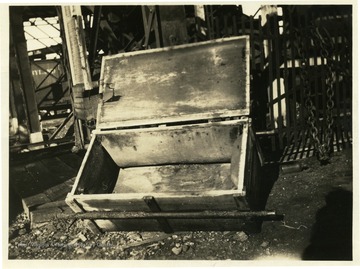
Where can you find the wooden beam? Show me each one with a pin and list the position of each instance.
(173, 25)
(76, 46)
(19, 41)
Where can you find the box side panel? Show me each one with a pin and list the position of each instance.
(184, 144)
(99, 172)
(254, 174)
(166, 203)
(172, 178)
(207, 79)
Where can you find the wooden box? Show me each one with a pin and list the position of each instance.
(173, 135)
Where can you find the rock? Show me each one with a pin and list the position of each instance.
(241, 236)
(176, 250)
(134, 237)
(82, 237)
(37, 232)
(174, 236)
(187, 237)
(267, 251)
(265, 244)
(22, 231)
(177, 245)
(74, 241)
(185, 248)
(80, 251)
(63, 238)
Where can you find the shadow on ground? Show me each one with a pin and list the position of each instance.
(331, 237)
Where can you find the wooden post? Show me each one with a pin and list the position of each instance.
(173, 25)
(76, 46)
(27, 85)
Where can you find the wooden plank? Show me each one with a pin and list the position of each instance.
(180, 201)
(201, 143)
(44, 177)
(47, 214)
(59, 169)
(205, 78)
(59, 191)
(27, 188)
(71, 159)
(172, 178)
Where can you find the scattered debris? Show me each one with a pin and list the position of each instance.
(240, 236)
(82, 237)
(176, 250)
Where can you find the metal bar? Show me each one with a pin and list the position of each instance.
(271, 78)
(94, 36)
(46, 95)
(336, 54)
(234, 214)
(275, 25)
(47, 75)
(252, 48)
(154, 207)
(38, 40)
(261, 42)
(61, 140)
(293, 77)
(303, 122)
(61, 125)
(286, 82)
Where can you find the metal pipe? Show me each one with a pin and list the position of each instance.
(235, 214)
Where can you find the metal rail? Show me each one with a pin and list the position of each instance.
(235, 214)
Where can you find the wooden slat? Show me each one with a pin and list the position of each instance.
(70, 159)
(271, 75)
(286, 75)
(301, 20)
(277, 51)
(204, 143)
(181, 201)
(208, 78)
(60, 170)
(172, 178)
(293, 77)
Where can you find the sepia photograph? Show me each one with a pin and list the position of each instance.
(180, 132)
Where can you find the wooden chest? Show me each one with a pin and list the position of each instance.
(173, 136)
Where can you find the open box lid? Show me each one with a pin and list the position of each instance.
(175, 84)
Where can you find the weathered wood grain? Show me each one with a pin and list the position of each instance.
(180, 82)
(172, 178)
(203, 143)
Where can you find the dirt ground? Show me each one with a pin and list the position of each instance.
(316, 203)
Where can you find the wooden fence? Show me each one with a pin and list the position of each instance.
(287, 51)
